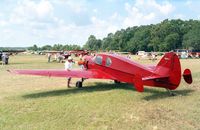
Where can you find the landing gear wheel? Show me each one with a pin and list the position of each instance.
(79, 84)
(173, 94)
(117, 82)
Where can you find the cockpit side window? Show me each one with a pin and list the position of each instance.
(98, 60)
(108, 61)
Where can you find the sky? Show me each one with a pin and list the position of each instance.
(41, 22)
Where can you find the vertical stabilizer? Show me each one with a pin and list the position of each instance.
(170, 67)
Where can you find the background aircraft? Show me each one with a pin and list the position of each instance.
(166, 74)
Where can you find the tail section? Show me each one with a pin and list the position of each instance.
(169, 67)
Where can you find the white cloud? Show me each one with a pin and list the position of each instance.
(44, 8)
(95, 10)
(3, 23)
(116, 18)
(28, 10)
(139, 2)
(39, 23)
(79, 34)
(76, 6)
(134, 16)
(96, 21)
(165, 8)
(193, 6)
(179, 16)
(198, 17)
(1, 15)
(145, 12)
(188, 3)
(149, 16)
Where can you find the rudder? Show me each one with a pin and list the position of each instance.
(170, 67)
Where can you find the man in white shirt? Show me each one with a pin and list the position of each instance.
(68, 67)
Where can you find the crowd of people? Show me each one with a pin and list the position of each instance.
(53, 57)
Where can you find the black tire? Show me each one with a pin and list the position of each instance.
(6, 62)
(117, 82)
(79, 84)
(173, 94)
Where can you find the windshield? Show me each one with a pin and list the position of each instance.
(98, 60)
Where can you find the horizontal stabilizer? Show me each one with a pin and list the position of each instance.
(187, 76)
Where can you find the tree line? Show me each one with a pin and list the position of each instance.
(55, 47)
(165, 36)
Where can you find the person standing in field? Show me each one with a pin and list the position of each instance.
(5, 58)
(68, 67)
(81, 65)
(49, 57)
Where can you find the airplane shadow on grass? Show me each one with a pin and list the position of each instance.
(154, 93)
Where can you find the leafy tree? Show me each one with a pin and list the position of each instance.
(171, 42)
(106, 42)
(34, 48)
(46, 47)
(57, 47)
(93, 43)
(192, 38)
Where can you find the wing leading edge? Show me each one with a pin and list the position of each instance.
(92, 73)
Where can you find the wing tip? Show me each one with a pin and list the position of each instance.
(12, 71)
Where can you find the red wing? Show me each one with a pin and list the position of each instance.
(92, 73)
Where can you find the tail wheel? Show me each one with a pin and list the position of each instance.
(79, 84)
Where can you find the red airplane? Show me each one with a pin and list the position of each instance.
(166, 74)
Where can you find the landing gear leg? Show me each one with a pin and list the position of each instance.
(117, 82)
(68, 82)
(170, 92)
(82, 79)
(79, 84)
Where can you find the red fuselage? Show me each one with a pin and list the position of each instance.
(166, 74)
(122, 68)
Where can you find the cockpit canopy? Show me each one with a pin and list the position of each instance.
(99, 60)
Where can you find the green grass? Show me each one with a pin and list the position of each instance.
(30, 102)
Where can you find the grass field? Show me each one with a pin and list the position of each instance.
(42, 103)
